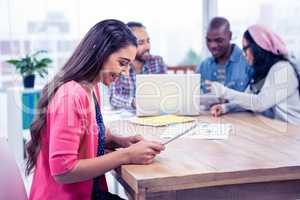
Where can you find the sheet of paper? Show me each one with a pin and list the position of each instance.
(110, 115)
(202, 131)
(162, 120)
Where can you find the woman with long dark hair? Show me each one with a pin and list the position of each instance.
(68, 137)
(274, 89)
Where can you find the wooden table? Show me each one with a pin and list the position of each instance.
(260, 160)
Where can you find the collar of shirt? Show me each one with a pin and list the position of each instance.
(236, 54)
(234, 57)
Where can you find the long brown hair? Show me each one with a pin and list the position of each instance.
(103, 39)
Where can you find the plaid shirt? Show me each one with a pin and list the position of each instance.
(122, 91)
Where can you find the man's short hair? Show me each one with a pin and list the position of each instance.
(132, 25)
(218, 22)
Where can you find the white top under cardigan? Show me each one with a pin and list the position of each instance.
(279, 93)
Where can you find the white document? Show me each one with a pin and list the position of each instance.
(110, 114)
(213, 131)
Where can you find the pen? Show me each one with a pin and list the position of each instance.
(181, 134)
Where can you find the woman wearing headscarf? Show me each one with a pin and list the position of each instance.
(274, 89)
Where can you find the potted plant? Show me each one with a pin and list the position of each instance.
(29, 65)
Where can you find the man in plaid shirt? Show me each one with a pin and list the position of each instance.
(122, 91)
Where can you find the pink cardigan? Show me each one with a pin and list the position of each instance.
(70, 134)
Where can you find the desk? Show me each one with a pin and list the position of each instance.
(260, 160)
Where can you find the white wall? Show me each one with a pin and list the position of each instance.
(3, 114)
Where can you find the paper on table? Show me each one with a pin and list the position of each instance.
(161, 120)
(202, 131)
(110, 115)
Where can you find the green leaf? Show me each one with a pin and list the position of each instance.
(46, 60)
(13, 62)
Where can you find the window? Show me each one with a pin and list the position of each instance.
(175, 27)
(280, 16)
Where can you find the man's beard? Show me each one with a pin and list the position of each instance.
(143, 57)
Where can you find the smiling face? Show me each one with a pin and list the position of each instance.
(218, 41)
(117, 64)
(143, 50)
